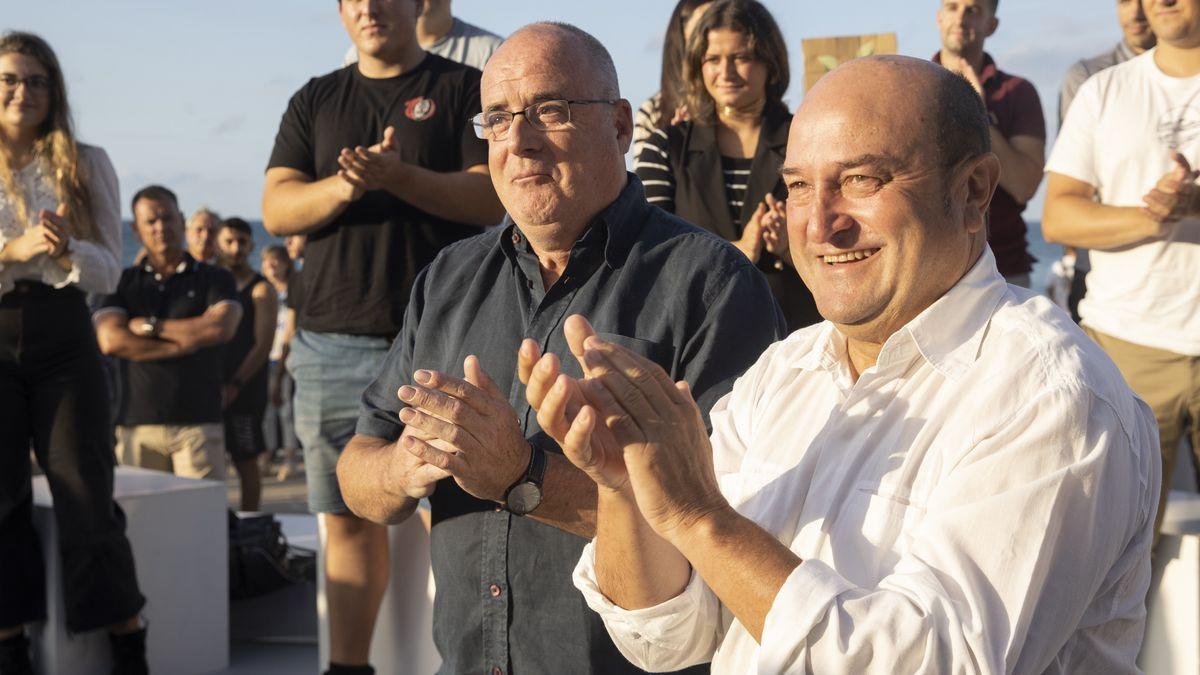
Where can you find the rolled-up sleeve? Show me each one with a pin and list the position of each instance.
(678, 633)
(379, 409)
(1017, 541)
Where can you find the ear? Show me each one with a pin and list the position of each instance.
(981, 176)
(993, 24)
(623, 120)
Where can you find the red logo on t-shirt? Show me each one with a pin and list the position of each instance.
(419, 109)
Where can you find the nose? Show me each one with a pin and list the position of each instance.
(522, 137)
(826, 217)
(730, 69)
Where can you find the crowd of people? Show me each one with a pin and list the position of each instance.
(777, 400)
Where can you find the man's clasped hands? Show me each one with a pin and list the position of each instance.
(633, 431)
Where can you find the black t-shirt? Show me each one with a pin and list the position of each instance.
(184, 390)
(360, 268)
(252, 397)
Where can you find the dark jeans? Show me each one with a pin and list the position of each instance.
(53, 396)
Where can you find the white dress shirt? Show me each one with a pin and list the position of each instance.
(980, 500)
(95, 265)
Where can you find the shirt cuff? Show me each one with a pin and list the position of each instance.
(801, 603)
(665, 626)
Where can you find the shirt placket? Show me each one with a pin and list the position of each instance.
(548, 312)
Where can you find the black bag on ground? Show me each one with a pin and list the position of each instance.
(260, 559)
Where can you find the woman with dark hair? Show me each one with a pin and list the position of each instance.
(60, 238)
(720, 169)
(668, 105)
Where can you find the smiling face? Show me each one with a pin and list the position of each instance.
(380, 27)
(1134, 26)
(965, 24)
(1176, 22)
(878, 229)
(561, 176)
(732, 76)
(26, 106)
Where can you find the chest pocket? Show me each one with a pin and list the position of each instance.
(885, 521)
(658, 352)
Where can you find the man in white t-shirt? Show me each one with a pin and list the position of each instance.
(1121, 183)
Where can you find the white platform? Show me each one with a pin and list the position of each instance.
(177, 527)
(1173, 626)
(402, 643)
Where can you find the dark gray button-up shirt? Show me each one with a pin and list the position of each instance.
(647, 280)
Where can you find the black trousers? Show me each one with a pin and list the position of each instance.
(53, 397)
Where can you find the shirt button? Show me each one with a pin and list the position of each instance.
(494, 590)
(496, 670)
(636, 636)
(516, 238)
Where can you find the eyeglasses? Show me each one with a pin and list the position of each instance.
(545, 115)
(36, 83)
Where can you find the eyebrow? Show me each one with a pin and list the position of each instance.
(880, 161)
(535, 98)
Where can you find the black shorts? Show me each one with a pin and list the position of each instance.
(244, 435)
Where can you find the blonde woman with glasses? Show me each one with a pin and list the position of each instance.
(59, 239)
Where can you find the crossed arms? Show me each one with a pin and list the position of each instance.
(122, 337)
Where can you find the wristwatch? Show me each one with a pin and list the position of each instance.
(526, 494)
(150, 326)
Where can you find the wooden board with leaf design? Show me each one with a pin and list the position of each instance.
(822, 55)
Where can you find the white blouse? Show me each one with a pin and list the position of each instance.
(96, 265)
(981, 500)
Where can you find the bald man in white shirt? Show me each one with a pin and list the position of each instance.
(944, 476)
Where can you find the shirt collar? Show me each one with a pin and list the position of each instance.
(620, 224)
(947, 334)
(989, 67)
(187, 264)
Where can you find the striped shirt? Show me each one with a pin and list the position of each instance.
(653, 166)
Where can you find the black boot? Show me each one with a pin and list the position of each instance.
(129, 653)
(343, 669)
(14, 656)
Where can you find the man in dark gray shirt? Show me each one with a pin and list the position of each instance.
(1136, 37)
(448, 417)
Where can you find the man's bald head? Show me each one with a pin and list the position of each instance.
(573, 48)
(944, 110)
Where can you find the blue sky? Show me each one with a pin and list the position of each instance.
(188, 93)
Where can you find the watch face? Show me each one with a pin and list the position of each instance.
(524, 498)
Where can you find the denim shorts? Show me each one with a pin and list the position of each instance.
(331, 371)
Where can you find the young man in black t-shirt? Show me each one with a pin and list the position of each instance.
(378, 164)
(166, 323)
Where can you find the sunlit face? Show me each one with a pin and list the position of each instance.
(378, 27)
(544, 177)
(25, 106)
(965, 24)
(1176, 22)
(877, 229)
(275, 267)
(1134, 25)
(159, 226)
(202, 236)
(235, 246)
(732, 75)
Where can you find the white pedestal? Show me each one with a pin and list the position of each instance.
(1172, 642)
(402, 643)
(177, 527)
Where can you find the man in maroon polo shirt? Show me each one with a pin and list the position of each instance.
(1018, 127)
